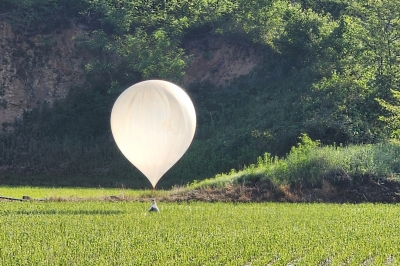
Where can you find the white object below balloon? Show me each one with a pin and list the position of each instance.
(153, 123)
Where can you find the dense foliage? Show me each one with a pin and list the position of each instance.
(124, 233)
(310, 165)
(329, 69)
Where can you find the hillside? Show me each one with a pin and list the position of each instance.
(36, 68)
(43, 67)
(260, 74)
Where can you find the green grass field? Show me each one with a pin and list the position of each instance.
(194, 233)
(75, 193)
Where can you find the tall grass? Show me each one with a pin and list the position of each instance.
(309, 163)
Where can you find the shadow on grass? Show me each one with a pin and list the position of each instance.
(64, 212)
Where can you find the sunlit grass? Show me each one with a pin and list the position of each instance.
(77, 193)
(309, 163)
(124, 233)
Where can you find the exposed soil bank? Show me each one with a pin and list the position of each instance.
(364, 190)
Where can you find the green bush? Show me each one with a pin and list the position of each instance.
(309, 164)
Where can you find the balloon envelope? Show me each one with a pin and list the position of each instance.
(153, 123)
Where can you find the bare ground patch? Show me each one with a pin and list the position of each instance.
(218, 60)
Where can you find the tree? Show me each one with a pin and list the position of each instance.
(380, 36)
(393, 118)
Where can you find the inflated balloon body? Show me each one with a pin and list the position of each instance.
(153, 123)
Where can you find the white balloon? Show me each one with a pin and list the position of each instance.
(153, 123)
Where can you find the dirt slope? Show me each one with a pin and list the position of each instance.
(218, 60)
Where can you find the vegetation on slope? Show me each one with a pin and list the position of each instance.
(308, 163)
(330, 69)
(310, 173)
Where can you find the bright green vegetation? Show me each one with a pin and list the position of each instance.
(101, 233)
(329, 68)
(309, 164)
(393, 121)
(76, 193)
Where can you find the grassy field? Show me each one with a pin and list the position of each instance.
(194, 233)
(75, 193)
